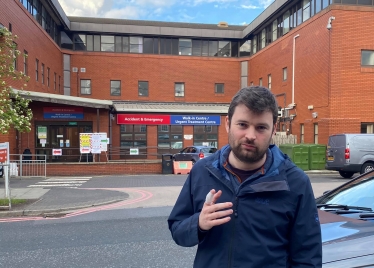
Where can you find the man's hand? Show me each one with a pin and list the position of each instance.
(214, 214)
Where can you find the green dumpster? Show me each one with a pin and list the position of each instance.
(298, 153)
(317, 156)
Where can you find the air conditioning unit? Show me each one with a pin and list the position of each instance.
(83, 70)
(75, 69)
(280, 113)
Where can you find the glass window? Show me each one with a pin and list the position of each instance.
(286, 22)
(150, 45)
(219, 88)
(89, 44)
(42, 73)
(245, 48)
(37, 70)
(133, 137)
(213, 48)
(306, 9)
(275, 30)
(206, 135)
(136, 44)
(318, 5)
(85, 87)
(316, 133)
(185, 47)
(224, 49)
(143, 88)
(169, 139)
(125, 44)
(325, 3)
(269, 81)
(48, 71)
(254, 44)
(25, 62)
(260, 82)
(367, 58)
(179, 89)
(79, 42)
(97, 46)
(115, 88)
(118, 43)
(301, 133)
(54, 81)
(263, 39)
(285, 74)
(197, 46)
(107, 43)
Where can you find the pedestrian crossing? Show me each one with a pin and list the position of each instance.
(53, 182)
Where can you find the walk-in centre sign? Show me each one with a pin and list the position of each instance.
(152, 119)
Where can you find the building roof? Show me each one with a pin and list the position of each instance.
(63, 99)
(168, 107)
(154, 23)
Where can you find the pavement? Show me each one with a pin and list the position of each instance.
(60, 201)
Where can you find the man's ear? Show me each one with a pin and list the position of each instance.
(227, 123)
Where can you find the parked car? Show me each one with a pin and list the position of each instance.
(194, 153)
(350, 153)
(346, 215)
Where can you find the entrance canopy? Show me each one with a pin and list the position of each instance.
(63, 99)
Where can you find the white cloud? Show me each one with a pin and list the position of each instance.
(157, 3)
(129, 12)
(249, 7)
(87, 8)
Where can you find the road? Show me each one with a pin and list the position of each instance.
(135, 235)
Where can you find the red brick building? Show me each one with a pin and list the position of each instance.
(160, 86)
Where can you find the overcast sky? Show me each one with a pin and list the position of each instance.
(234, 12)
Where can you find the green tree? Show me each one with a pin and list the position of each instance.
(14, 109)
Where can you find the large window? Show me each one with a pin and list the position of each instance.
(85, 87)
(143, 88)
(254, 44)
(136, 44)
(286, 22)
(185, 47)
(169, 139)
(133, 137)
(367, 128)
(179, 89)
(15, 59)
(306, 9)
(107, 43)
(224, 49)
(245, 48)
(275, 30)
(48, 71)
(169, 46)
(263, 39)
(205, 135)
(367, 58)
(79, 42)
(115, 88)
(150, 45)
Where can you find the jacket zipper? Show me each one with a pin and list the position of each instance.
(235, 205)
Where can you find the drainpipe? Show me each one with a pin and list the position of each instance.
(293, 68)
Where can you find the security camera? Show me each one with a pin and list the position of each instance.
(329, 23)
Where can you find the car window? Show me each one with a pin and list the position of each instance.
(193, 150)
(359, 192)
(208, 150)
(185, 150)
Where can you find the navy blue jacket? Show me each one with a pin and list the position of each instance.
(275, 221)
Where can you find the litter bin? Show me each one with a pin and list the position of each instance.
(317, 156)
(167, 164)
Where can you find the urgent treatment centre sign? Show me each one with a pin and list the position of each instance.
(146, 119)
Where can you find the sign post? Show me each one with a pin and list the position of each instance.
(4, 159)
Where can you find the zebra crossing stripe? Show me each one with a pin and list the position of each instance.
(54, 185)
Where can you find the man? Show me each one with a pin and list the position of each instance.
(263, 212)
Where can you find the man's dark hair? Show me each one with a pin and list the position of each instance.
(257, 99)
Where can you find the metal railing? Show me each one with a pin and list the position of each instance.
(27, 165)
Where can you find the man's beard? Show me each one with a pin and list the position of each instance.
(247, 156)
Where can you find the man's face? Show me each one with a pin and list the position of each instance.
(249, 134)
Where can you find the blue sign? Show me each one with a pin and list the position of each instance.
(63, 116)
(205, 120)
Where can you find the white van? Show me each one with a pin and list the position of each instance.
(350, 153)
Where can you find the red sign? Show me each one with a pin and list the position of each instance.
(143, 119)
(57, 152)
(63, 109)
(3, 155)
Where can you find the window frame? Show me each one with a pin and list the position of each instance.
(25, 62)
(139, 88)
(113, 87)
(269, 81)
(42, 73)
(370, 57)
(285, 74)
(85, 87)
(182, 93)
(216, 87)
